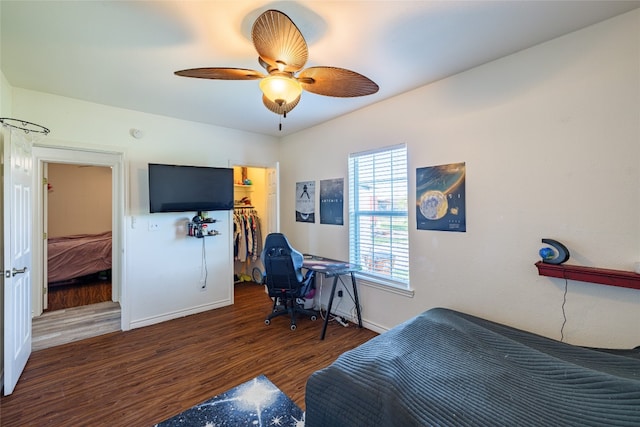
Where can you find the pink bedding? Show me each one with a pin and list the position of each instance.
(79, 255)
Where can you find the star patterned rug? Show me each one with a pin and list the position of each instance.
(255, 403)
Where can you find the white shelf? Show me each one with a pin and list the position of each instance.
(243, 187)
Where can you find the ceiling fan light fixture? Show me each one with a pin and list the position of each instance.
(283, 52)
(280, 89)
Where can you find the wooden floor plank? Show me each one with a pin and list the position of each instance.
(73, 324)
(143, 376)
(78, 292)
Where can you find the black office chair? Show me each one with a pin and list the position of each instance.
(284, 279)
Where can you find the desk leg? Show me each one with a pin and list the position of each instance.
(326, 319)
(355, 297)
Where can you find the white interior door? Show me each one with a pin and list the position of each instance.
(17, 215)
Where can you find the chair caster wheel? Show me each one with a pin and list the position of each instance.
(314, 318)
(267, 322)
(293, 327)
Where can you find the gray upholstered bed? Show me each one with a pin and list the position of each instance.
(445, 368)
(79, 255)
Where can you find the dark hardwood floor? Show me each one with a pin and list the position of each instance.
(146, 375)
(84, 291)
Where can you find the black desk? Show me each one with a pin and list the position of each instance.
(333, 268)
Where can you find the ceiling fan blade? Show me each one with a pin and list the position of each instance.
(279, 42)
(280, 109)
(333, 81)
(221, 73)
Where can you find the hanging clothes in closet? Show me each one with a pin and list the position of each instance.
(247, 236)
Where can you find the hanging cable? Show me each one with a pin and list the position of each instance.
(564, 314)
(203, 269)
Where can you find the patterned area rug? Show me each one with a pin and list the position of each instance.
(255, 403)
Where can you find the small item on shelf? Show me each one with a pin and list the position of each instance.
(547, 253)
(558, 255)
(201, 229)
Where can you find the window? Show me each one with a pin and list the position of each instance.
(378, 214)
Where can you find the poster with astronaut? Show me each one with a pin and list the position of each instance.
(306, 201)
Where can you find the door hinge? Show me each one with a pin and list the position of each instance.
(45, 181)
(44, 235)
(44, 289)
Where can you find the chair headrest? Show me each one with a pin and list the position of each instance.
(276, 240)
(277, 251)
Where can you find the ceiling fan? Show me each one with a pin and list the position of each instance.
(282, 53)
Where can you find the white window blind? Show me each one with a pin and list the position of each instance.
(378, 213)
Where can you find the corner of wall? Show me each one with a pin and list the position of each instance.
(5, 96)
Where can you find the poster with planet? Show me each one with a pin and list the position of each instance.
(440, 197)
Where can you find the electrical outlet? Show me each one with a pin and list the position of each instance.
(340, 293)
(154, 226)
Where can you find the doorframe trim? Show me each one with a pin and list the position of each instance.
(74, 155)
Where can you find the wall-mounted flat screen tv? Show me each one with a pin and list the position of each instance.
(174, 188)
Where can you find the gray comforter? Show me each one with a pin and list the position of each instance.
(445, 368)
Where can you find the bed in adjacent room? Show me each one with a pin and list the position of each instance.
(445, 368)
(71, 257)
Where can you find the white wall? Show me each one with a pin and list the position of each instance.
(550, 137)
(5, 96)
(551, 141)
(79, 199)
(162, 268)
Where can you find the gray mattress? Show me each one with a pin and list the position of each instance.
(444, 368)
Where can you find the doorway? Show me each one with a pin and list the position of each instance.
(82, 163)
(77, 220)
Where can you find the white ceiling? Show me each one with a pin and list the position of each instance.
(124, 53)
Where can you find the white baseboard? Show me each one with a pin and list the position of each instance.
(177, 314)
(365, 323)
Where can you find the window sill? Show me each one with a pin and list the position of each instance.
(384, 285)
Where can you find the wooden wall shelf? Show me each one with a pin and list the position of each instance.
(603, 276)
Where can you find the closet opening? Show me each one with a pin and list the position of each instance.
(254, 216)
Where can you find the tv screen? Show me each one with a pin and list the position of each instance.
(174, 188)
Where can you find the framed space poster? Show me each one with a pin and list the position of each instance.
(440, 197)
(306, 201)
(332, 201)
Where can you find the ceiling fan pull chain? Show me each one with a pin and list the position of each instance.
(280, 124)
